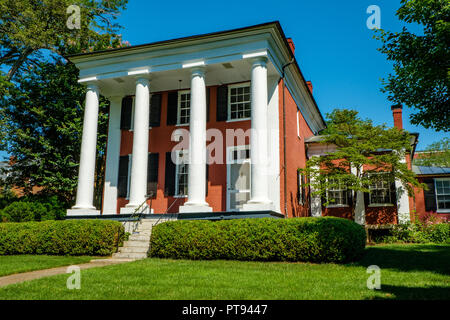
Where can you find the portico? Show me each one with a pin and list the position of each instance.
(185, 78)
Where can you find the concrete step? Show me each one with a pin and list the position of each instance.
(133, 249)
(121, 255)
(136, 243)
(139, 237)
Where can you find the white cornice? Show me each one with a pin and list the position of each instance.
(211, 49)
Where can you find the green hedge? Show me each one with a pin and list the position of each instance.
(418, 232)
(70, 237)
(325, 239)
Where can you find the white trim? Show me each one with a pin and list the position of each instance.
(254, 54)
(138, 72)
(231, 161)
(185, 153)
(234, 86)
(180, 92)
(194, 64)
(436, 195)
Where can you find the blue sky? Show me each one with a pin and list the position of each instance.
(334, 47)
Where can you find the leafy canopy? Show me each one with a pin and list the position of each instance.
(436, 155)
(28, 26)
(421, 62)
(357, 150)
(44, 119)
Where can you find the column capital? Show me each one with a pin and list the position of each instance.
(144, 80)
(198, 71)
(92, 86)
(259, 61)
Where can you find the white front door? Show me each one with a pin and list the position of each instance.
(238, 177)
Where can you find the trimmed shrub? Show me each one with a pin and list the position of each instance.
(324, 239)
(69, 237)
(418, 232)
(21, 211)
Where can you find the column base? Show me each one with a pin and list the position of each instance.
(257, 206)
(131, 209)
(82, 212)
(403, 217)
(190, 208)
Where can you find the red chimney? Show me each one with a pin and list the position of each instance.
(310, 86)
(397, 115)
(291, 45)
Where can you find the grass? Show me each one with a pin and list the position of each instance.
(407, 272)
(24, 263)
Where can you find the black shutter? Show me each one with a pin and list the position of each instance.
(350, 197)
(152, 174)
(122, 185)
(169, 188)
(222, 103)
(366, 199)
(207, 103)
(299, 188)
(125, 116)
(206, 179)
(172, 108)
(394, 193)
(155, 110)
(303, 189)
(430, 196)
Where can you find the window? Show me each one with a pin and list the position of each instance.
(442, 194)
(380, 190)
(337, 193)
(181, 173)
(239, 104)
(184, 107)
(300, 188)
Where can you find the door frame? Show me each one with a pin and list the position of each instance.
(230, 161)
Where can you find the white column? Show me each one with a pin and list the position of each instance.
(112, 157)
(316, 200)
(259, 195)
(85, 189)
(138, 181)
(197, 146)
(360, 205)
(402, 201)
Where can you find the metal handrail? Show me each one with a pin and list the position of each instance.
(165, 213)
(138, 212)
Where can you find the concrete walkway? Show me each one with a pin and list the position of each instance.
(27, 276)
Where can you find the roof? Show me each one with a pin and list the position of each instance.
(182, 41)
(423, 170)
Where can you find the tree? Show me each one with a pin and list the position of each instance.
(421, 75)
(435, 155)
(28, 26)
(44, 119)
(362, 150)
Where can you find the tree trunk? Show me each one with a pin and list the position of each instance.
(23, 56)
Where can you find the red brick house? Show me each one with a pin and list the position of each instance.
(212, 125)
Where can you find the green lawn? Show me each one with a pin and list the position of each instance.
(407, 272)
(23, 263)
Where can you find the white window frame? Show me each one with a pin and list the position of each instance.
(130, 159)
(234, 86)
(377, 204)
(300, 187)
(231, 161)
(182, 92)
(444, 194)
(343, 191)
(298, 125)
(185, 161)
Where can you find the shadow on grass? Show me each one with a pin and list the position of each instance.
(415, 293)
(432, 258)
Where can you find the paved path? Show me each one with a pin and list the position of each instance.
(27, 276)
